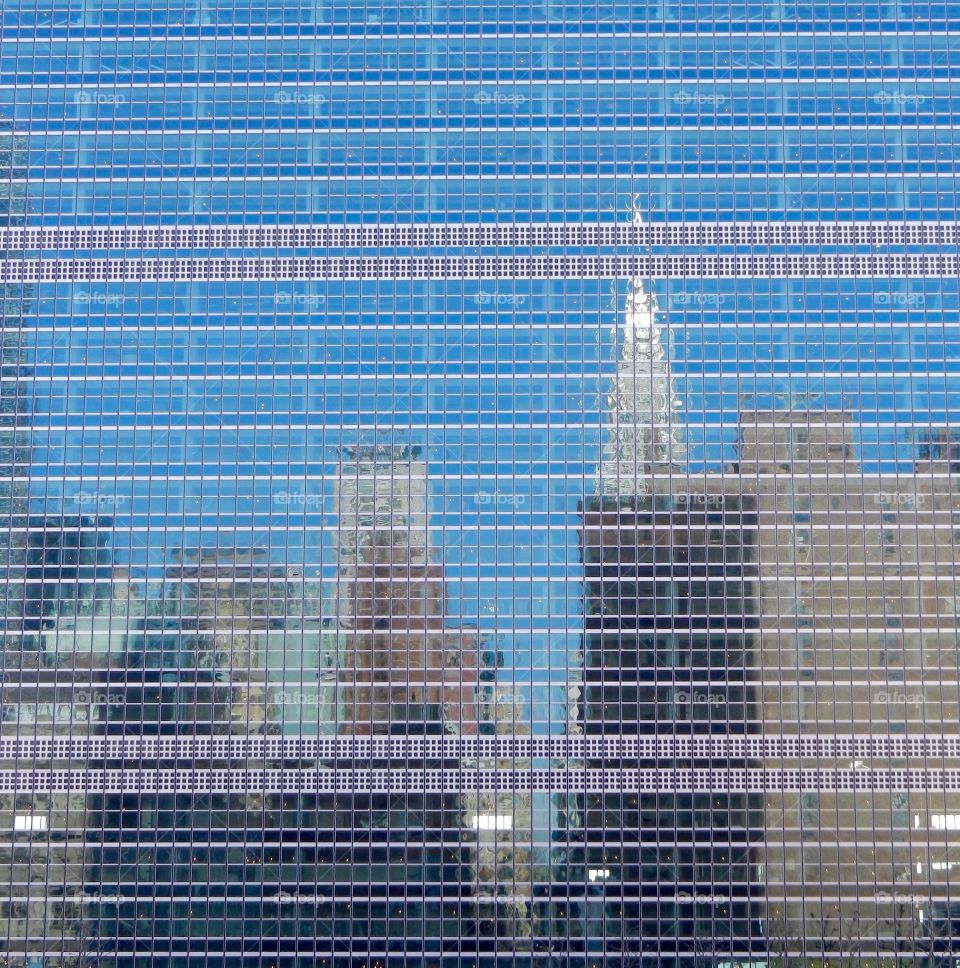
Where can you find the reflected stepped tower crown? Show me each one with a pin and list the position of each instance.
(643, 430)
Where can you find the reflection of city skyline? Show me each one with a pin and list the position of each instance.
(230, 634)
(218, 650)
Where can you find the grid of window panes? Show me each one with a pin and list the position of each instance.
(471, 613)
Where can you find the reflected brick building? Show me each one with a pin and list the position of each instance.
(389, 603)
(402, 673)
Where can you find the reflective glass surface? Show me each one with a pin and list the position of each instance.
(480, 484)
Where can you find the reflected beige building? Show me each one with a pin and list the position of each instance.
(399, 665)
(402, 671)
(857, 642)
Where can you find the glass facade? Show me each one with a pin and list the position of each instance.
(479, 484)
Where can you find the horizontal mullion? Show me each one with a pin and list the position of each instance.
(783, 523)
(510, 74)
(682, 318)
(799, 472)
(507, 125)
(496, 234)
(325, 373)
(464, 780)
(436, 268)
(279, 893)
(829, 745)
(547, 175)
(602, 423)
(571, 77)
(423, 32)
(733, 676)
(600, 836)
(700, 624)
(312, 948)
(294, 30)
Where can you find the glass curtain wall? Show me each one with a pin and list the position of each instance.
(478, 484)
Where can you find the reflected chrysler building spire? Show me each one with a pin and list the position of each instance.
(643, 428)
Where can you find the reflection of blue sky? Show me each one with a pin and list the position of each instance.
(886, 351)
(545, 182)
(489, 56)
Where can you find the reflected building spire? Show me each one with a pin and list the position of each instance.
(643, 429)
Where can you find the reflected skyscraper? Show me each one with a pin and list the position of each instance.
(401, 673)
(389, 598)
(669, 578)
(643, 431)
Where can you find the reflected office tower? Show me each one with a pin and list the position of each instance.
(232, 601)
(64, 635)
(192, 668)
(669, 579)
(859, 654)
(389, 595)
(404, 675)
